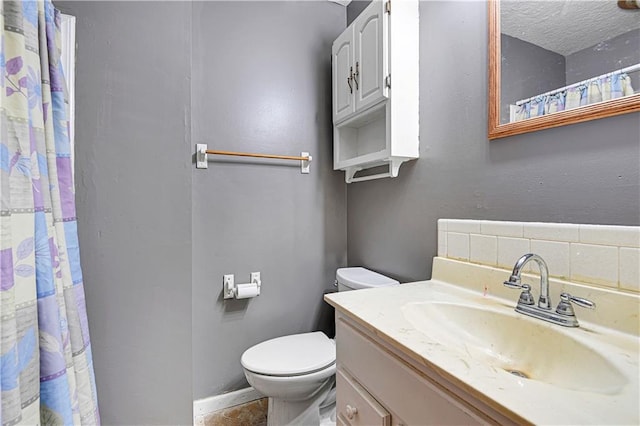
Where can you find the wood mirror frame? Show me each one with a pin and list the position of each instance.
(562, 118)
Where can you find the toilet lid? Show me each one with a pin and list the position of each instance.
(291, 355)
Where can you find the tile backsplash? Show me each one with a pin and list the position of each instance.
(602, 255)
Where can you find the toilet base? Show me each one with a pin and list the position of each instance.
(297, 413)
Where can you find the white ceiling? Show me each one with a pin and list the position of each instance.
(566, 26)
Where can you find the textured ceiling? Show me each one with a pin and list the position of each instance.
(566, 26)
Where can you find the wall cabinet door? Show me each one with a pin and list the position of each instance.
(371, 55)
(342, 59)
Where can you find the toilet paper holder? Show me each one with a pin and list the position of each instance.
(231, 290)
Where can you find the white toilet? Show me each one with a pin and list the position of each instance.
(297, 372)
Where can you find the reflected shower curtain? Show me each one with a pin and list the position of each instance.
(45, 356)
(592, 91)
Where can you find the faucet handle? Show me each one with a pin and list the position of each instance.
(565, 308)
(526, 298)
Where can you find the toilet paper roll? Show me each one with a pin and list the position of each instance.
(244, 291)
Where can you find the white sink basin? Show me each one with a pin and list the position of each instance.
(518, 345)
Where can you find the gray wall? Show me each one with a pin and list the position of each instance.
(582, 173)
(157, 235)
(133, 180)
(527, 70)
(262, 83)
(614, 54)
(355, 8)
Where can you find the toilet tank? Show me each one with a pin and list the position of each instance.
(358, 277)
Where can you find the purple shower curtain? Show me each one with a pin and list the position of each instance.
(45, 353)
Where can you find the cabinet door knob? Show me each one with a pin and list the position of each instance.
(351, 412)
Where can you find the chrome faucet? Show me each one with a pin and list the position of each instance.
(514, 280)
(563, 315)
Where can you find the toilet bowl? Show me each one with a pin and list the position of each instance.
(292, 368)
(297, 372)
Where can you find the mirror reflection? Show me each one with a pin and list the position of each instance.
(561, 55)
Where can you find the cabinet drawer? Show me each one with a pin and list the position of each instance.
(400, 388)
(355, 406)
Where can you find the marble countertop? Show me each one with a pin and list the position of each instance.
(384, 312)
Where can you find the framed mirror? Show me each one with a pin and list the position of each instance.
(553, 63)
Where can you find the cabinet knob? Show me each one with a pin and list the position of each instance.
(351, 412)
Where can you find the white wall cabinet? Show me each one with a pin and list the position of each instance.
(375, 122)
(376, 385)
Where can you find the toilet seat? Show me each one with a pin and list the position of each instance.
(291, 388)
(288, 356)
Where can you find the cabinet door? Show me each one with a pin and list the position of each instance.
(342, 59)
(371, 55)
(354, 405)
(398, 386)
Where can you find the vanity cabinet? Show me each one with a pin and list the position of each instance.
(377, 386)
(375, 121)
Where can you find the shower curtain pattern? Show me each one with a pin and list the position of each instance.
(596, 90)
(45, 353)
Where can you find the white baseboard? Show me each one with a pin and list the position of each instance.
(202, 407)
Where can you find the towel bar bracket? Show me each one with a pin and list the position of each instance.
(201, 156)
